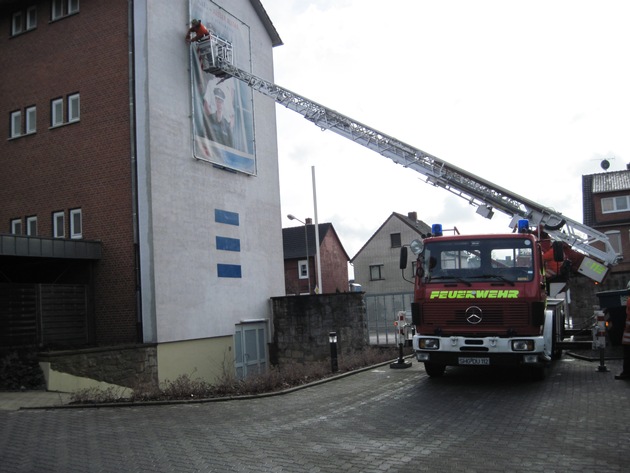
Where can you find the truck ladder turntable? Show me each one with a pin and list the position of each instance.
(216, 56)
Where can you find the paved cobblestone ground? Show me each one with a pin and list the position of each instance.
(577, 420)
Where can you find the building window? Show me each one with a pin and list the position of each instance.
(76, 224)
(16, 226)
(31, 119)
(63, 8)
(31, 226)
(303, 269)
(17, 23)
(59, 225)
(73, 108)
(16, 124)
(614, 236)
(73, 6)
(31, 17)
(23, 21)
(616, 204)
(16, 129)
(376, 272)
(56, 113)
(395, 239)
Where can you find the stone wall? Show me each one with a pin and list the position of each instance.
(131, 366)
(301, 325)
(584, 300)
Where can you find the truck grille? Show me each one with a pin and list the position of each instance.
(452, 317)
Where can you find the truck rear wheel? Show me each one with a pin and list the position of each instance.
(434, 370)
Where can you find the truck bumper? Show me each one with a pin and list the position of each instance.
(489, 351)
(485, 359)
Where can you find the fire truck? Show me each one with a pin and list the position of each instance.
(479, 300)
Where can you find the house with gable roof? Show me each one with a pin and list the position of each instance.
(377, 263)
(606, 207)
(300, 249)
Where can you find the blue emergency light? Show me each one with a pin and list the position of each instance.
(523, 226)
(436, 229)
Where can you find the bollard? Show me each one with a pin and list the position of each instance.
(599, 340)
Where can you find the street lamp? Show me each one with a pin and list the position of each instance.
(308, 268)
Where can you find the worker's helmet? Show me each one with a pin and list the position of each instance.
(195, 22)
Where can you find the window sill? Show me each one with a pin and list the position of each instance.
(16, 137)
(21, 33)
(63, 17)
(61, 125)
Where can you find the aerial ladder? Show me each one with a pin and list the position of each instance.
(216, 56)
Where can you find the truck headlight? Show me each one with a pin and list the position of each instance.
(522, 345)
(430, 343)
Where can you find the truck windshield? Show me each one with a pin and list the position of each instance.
(495, 259)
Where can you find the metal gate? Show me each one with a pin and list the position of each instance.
(382, 310)
(43, 314)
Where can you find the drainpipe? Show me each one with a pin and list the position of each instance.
(134, 171)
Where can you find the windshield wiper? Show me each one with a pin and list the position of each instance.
(455, 278)
(496, 276)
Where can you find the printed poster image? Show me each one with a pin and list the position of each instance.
(223, 115)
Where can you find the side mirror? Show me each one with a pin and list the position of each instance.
(403, 257)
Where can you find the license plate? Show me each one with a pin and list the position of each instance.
(473, 361)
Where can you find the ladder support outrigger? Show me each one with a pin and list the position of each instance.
(216, 56)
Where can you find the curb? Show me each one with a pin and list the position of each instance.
(212, 399)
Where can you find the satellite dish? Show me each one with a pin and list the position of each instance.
(605, 164)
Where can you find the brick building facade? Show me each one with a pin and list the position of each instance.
(105, 198)
(81, 161)
(300, 270)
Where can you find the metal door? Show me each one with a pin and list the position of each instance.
(250, 347)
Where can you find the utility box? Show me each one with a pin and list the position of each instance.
(614, 304)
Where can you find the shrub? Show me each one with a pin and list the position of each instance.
(276, 378)
(20, 371)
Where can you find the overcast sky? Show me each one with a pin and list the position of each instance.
(528, 95)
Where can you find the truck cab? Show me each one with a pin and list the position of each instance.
(480, 300)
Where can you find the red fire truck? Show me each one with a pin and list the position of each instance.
(481, 300)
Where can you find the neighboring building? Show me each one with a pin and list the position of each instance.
(606, 207)
(377, 263)
(300, 270)
(123, 220)
(377, 270)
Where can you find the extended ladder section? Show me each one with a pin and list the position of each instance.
(478, 192)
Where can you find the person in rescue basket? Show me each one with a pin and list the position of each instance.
(625, 341)
(200, 31)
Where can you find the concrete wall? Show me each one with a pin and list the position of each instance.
(208, 359)
(133, 366)
(302, 324)
(183, 296)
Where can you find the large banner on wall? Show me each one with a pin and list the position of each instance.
(223, 110)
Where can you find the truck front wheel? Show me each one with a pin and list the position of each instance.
(434, 370)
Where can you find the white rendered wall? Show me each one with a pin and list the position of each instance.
(178, 227)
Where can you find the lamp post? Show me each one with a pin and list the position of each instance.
(308, 266)
(332, 339)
